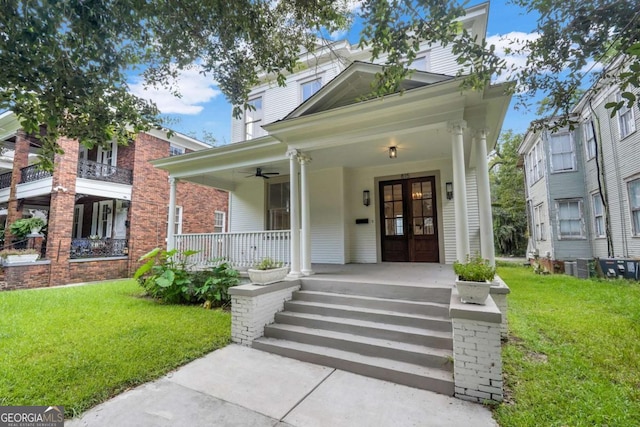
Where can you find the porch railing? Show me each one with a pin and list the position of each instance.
(5, 180)
(103, 172)
(33, 173)
(241, 250)
(92, 248)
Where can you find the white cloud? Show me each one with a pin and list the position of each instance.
(194, 87)
(508, 48)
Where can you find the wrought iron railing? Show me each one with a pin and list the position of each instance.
(241, 250)
(92, 248)
(103, 172)
(33, 173)
(5, 180)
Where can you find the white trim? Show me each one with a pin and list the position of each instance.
(78, 216)
(580, 218)
(622, 113)
(223, 228)
(572, 152)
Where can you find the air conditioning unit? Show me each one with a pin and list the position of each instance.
(570, 268)
(582, 268)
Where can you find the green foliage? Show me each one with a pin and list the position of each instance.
(6, 252)
(166, 276)
(267, 264)
(20, 228)
(508, 194)
(85, 344)
(474, 269)
(571, 358)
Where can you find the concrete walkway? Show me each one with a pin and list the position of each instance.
(240, 386)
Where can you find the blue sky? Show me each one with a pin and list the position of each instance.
(204, 109)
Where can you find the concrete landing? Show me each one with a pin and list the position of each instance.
(240, 386)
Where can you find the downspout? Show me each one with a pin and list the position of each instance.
(602, 188)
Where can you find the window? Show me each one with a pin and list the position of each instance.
(598, 215)
(562, 155)
(253, 119)
(540, 223)
(219, 222)
(626, 121)
(177, 224)
(535, 162)
(175, 151)
(78, 213)
(278, 206)
(421, 62)
(570, 222)
(308, 88)
(634, 204)
(589, 139)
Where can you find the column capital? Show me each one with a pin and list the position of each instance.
(304, 159)
(172, 180)
(293, 153)
(481, 133)
(456, 126)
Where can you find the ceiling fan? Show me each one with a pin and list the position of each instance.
(260, 174)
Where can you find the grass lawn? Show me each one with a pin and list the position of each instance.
(573, 357)
(78, 346)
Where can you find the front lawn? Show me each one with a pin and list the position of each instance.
(78, 346)
(573, 356)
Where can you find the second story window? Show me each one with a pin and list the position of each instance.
(308, 88)
(175, 151)
(626, 120)
(253, 119)
(536, 163)
(589, 139)
(562, 153)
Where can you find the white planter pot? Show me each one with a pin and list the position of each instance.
(473, 292)
(265, 277)
(18, 259)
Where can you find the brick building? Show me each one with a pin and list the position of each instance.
(104, 207)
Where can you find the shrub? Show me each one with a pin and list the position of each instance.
(22, 227)
(268, 264)
(214, 291)
(474, 269)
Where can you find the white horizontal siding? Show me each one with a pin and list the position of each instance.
(327, 216)
(248, 206)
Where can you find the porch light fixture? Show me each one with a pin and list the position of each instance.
(393, 152)
(449, 186)
(366, 198)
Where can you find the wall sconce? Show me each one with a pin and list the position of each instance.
(125, 204)
(393, 152)
(366, 198)
(449, 186)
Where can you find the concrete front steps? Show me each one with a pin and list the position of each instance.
(396, 333)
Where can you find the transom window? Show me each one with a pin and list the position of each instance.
(598, 215)
(562, 154)
(253, 119)
(626, 120)
(278, 206)
(634, 204)
(589, 139)
(310, 87)
(570, 219)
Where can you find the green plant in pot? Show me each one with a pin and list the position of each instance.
(267, 271)
(25, 226)
(474, 279)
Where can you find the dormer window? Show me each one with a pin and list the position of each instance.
(309, 87)
(175, 151)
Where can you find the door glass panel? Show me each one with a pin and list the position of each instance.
(388, 210)
(397, 209)
(390, 227)
(388, 193)
(418, 229)
(428, 226)
(416, 191)
(397, 192)
(393, 210)
(427, 207)
(426, 190)
(417, 205)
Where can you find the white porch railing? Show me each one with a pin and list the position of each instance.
(241, 250)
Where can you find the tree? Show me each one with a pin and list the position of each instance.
(66, 63)
(509, 200)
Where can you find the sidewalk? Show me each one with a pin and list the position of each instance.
(240, 386)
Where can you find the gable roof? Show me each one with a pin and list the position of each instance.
(354, 84)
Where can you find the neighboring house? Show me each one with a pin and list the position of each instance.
(583, 186)
(104, 207)
(417, 158)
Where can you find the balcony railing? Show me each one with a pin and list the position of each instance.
(92, 248)
(103, 172)
(5, 180)
(33, 173)
(241, 250)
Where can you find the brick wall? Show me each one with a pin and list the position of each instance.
(83, 271)
(26, 276)
(20, 160)
(150, 200)
(253, 307)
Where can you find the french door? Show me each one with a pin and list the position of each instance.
(408, 216)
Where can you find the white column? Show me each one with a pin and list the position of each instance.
(294, 220)
(172, 213)
(484, 198)
(306, 216)
(459, 189)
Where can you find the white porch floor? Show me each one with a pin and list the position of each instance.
(393, 273)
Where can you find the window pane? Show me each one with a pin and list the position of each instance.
(417, 208)
(388, 210)
(397, 192)
(416, 190)
(309, 88)
(397, 209)
(634, 193)
(427, 207)
(636, 221)
(428, 226)
(390, 227)
(418, 228)
(388, 193)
